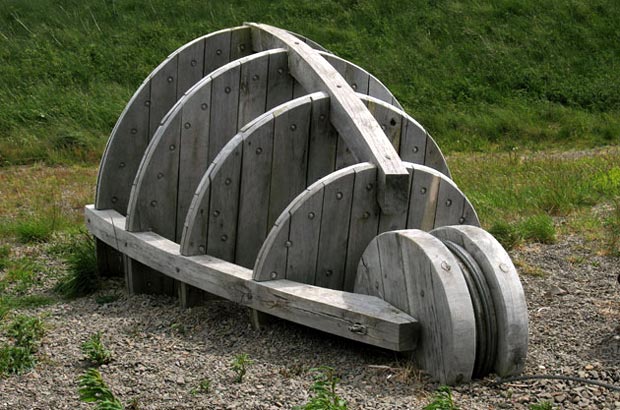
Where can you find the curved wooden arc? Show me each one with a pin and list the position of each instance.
(416, 273)
(506, 291)
(320, 242)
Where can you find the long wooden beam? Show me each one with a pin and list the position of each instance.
(367, 319)
(350, 117)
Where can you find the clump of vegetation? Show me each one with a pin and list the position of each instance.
(25, 333)
(324, 389)
(95, 351)
(240, 365)
(34, 230)
(442, 400)
(93, 389)
(5, 253)
(506, 234)
(83, 278)
(203, 387)
(608, 185)
(538, 228)
(543, 405)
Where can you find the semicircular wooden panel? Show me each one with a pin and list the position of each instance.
(324, 249)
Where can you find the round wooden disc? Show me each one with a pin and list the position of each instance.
(415, 272)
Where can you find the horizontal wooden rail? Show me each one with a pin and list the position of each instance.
(363, 318)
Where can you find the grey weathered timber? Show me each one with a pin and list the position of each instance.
(420, 275)
(349, 116)
(506, 291)
(358, 317)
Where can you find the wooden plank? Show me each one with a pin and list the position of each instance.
(195, 228)
(152, 205)
(240, 43)
(194, 150)
(372, 278)
(190, 65)
(290, 154)
(344, 156)
(124, 152)
(413, 142)
(450, 201)
(323, 139)
(304, 232)
(349, 116)
(507, 293)
(225, 181)
(434, 158)
(389, 120)
(423, 200)
(217, 51)
(224, 108)
(163, 92)
(271, 259)
(397, 219)
(357, 317)
(378, 90)
(364, 219)
(254, 191)
(330, 267)
(355, 76)
(395, 290)
(253, 89)
(279, 82)
(109, 260)
(143, 279)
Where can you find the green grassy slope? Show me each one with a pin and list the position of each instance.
(478, 76)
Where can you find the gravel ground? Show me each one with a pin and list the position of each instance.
(162, 352)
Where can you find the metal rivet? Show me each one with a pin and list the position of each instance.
(216, 213)
(227, 90)
(160, 175)
(187, 125)
(204, 106)
(354, 86)
(423, 190)
(322, 117)
(121, 165)
(193, 63)
(422, 293)
(153, 203)
(147, 103)
(448, 202)
(274, 275)
(461, 220)
(170, 79)
(366, 215)
(255, 77)
(114, 199)
(297, 42)
(288, 244)
(280, 70)
(369, 187)
(329, 272)
(445, 266)
(504, 268)
(172, 147)
(339, 195)
(259, 150)
(311, 215)
(338, 86)
(293, 127)
(227, 181)
(242, 47)
(201, 248)
(224, 238)
(218, 52)
(416, 149)
(134, 131)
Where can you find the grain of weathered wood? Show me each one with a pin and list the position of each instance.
(380, 91)
(372, 278)
(398, 218)
(252, 90)
(413, 142)
(349, 116)
(450, 203)
(290, 154)
(389, 120)
(323, 137)
(240, 44)
(344, 156)
(271, 258)
(224, 107)
(506, 291)
(217, 50)
(330, 269)
(279, 81)
(163, 92)
(424, 190)
(190, 65)
(395, 289)
(357, 317)
(195, 228)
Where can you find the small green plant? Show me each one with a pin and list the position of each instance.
(83, 278)
(240, 365)
(25, 333)
(94, 390)
(324, 389)
(543, 405)
(5, 252)
(203, 387)
(34, 230)
(95, 351)
(538, 228)
(506, 234)
(21, 273)
(442, 400)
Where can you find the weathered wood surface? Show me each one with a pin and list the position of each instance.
(345, 230)
(358, 317)
(506, 291)
(414, 271)
(349, 115)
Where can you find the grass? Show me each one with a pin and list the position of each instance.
(19, 356)
(543, 405)
(479, 76)
(324, 391)
(95, 351)
(203, 387)
(93, 389)
(442, 400)
(240, 365)
(82, 278)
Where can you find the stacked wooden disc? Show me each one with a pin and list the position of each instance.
(259, 147)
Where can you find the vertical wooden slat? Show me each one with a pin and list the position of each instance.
(330, 270)
(344, 155)
(424, 195)
(449, 204)
(398, 219)
(323, 138)
(279, 83)
(224, 107)
(195, 228)
(413, 143)
(163, 92)
(378, 90)
(392, 269)
(217, 52)
(271, 259)
(390, 121)
(190, 66)
(252, 90)
(240, 43)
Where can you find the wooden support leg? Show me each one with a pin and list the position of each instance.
(109, 260)
(190, 296)
(260, 320)
(142, 279)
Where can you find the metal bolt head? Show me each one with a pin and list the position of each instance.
(172, 147)
(354, 86)
(160, 175)
(329, 272)
(461, 220)
(153, 203)
(224, 238)
(366, 215)
(242, 47)
(187, 125)
(293, 127)
(201, 248)
(339, 195)
(504, 268)
(204, 106)
(227, 181)
(193, 63)
(423, 190)
(216, 213)
(416, 149)
(448, 202)
(322, 117)
(445, 266)
(280, 70)
(218, 52)
(147, 103)
(121, 165)
(369, 187)
(227, 90)
(114, 199)
(134, 131)
(259, 150)
(311, 215)
(273, 274)
(288, 244)
(255, 77)
(170, 79)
